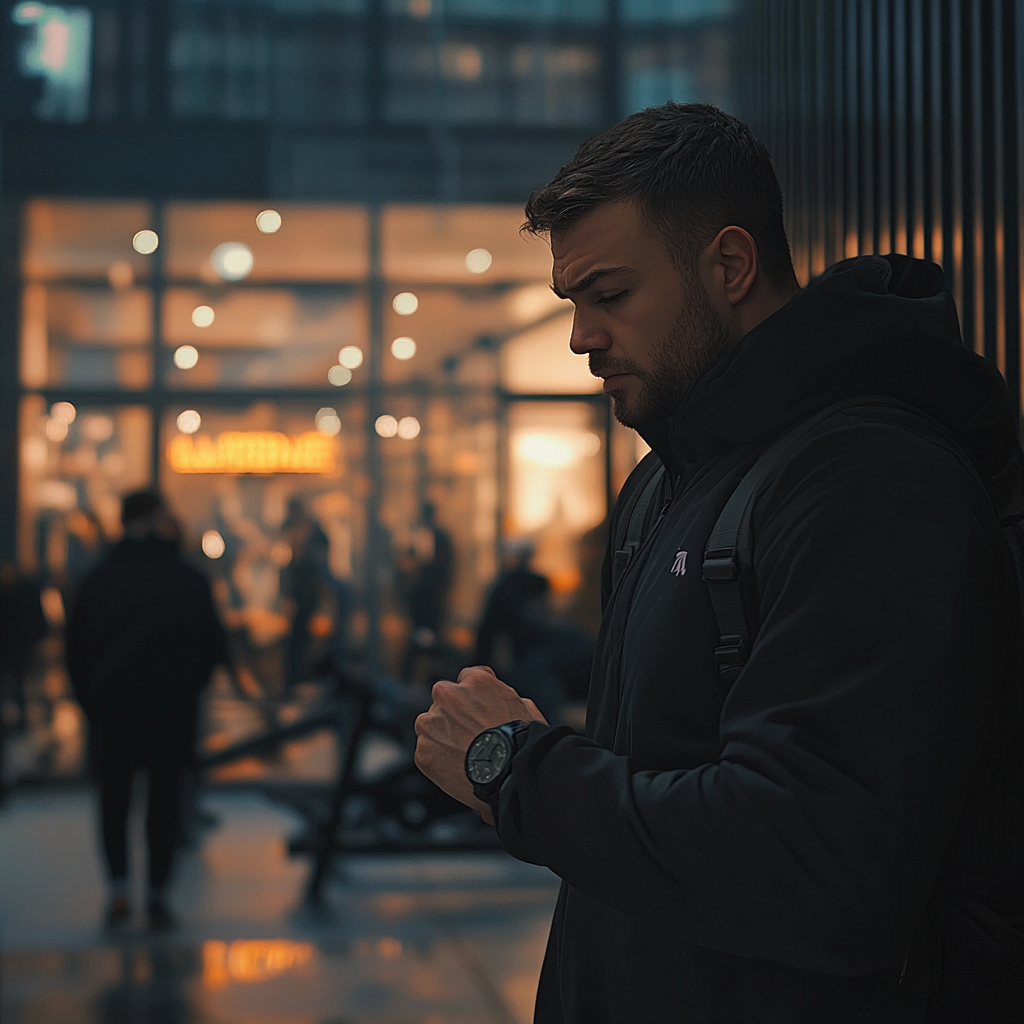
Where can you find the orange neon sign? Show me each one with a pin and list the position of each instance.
(254, 451)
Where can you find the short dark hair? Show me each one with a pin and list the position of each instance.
(139, 504)
(691, 169)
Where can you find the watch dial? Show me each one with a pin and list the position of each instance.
(488, 755)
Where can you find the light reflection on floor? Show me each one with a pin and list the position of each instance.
(440, 939)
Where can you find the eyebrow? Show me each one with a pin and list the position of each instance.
(585, 282)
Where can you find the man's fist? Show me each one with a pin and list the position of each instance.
(459, 713)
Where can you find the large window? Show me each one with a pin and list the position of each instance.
(355, 363)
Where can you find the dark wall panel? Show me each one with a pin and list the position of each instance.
(896, 126)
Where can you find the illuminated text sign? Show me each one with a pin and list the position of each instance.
(254, 451)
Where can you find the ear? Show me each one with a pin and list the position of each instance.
(733, 264)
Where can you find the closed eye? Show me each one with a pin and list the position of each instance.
(612, 298)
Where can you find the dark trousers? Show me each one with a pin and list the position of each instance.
(121, 750)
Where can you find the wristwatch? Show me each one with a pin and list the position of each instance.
(489, 758)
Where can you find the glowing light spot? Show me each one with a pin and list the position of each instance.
(351, 357)
(478, 261)
(232, 261)
(56, 430)
(386, 426)
(405, 303)
(328, 422)
(186, 356)
(403, 348)
(189, 421)
(213, 544)
(280, 553)
(408, 427)
(268, 221)
(145, 241)
(339, 376)
(389, 948)
(64, 411)
(420, 8)
(202, 316)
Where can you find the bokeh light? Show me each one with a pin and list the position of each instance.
(351, 357)
(478, 261)
(232, 261)
(145, 241)
(386, 426)
(64, 411)
(339, 376)
(56, 430)
(405, 303)
(203, 316)
(408, 428)
(186, 356)
(189, 421)
(268, 221)
(403, 348)
(213, 544)
(328, 421)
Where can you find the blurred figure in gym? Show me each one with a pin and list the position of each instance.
(522, 638)
(142, 639)
(427, 596)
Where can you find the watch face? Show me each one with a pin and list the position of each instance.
(488, 755)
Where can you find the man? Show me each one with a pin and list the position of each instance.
(142, 639)
(766, 855)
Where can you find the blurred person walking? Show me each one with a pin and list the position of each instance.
(427, 597)
(521, 636)
(142, 639)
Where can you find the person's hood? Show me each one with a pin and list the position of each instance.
(872, 325)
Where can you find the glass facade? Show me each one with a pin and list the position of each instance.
(554, 64)
(248, 388)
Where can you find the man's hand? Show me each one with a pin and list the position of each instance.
(460, 712)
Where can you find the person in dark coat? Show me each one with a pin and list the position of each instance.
(515, 611)
(769, 854)
(427, 597)
(142, 639)
(541, 657)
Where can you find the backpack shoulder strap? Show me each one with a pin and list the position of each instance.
(629, 532)
(729, 556)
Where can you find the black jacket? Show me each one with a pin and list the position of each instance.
(143, 636)
(769, 856)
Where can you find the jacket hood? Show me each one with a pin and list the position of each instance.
(872, 325)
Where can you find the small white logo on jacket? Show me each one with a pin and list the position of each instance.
(679, 565)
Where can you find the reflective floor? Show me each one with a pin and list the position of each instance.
(432, 938)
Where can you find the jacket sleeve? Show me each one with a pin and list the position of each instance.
(887, 610)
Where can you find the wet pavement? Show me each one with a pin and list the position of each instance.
(438, 938)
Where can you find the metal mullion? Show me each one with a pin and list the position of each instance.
(1010, 40)
(156, 394)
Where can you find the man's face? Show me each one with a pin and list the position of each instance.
(647, 325)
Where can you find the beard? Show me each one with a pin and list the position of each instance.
(696, 341)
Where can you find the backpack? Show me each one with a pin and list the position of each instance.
(976, 956)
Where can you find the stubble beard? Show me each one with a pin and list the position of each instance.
(695, 342)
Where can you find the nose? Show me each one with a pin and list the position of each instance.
(586, 337)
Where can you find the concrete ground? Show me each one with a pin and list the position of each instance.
(443, 939)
